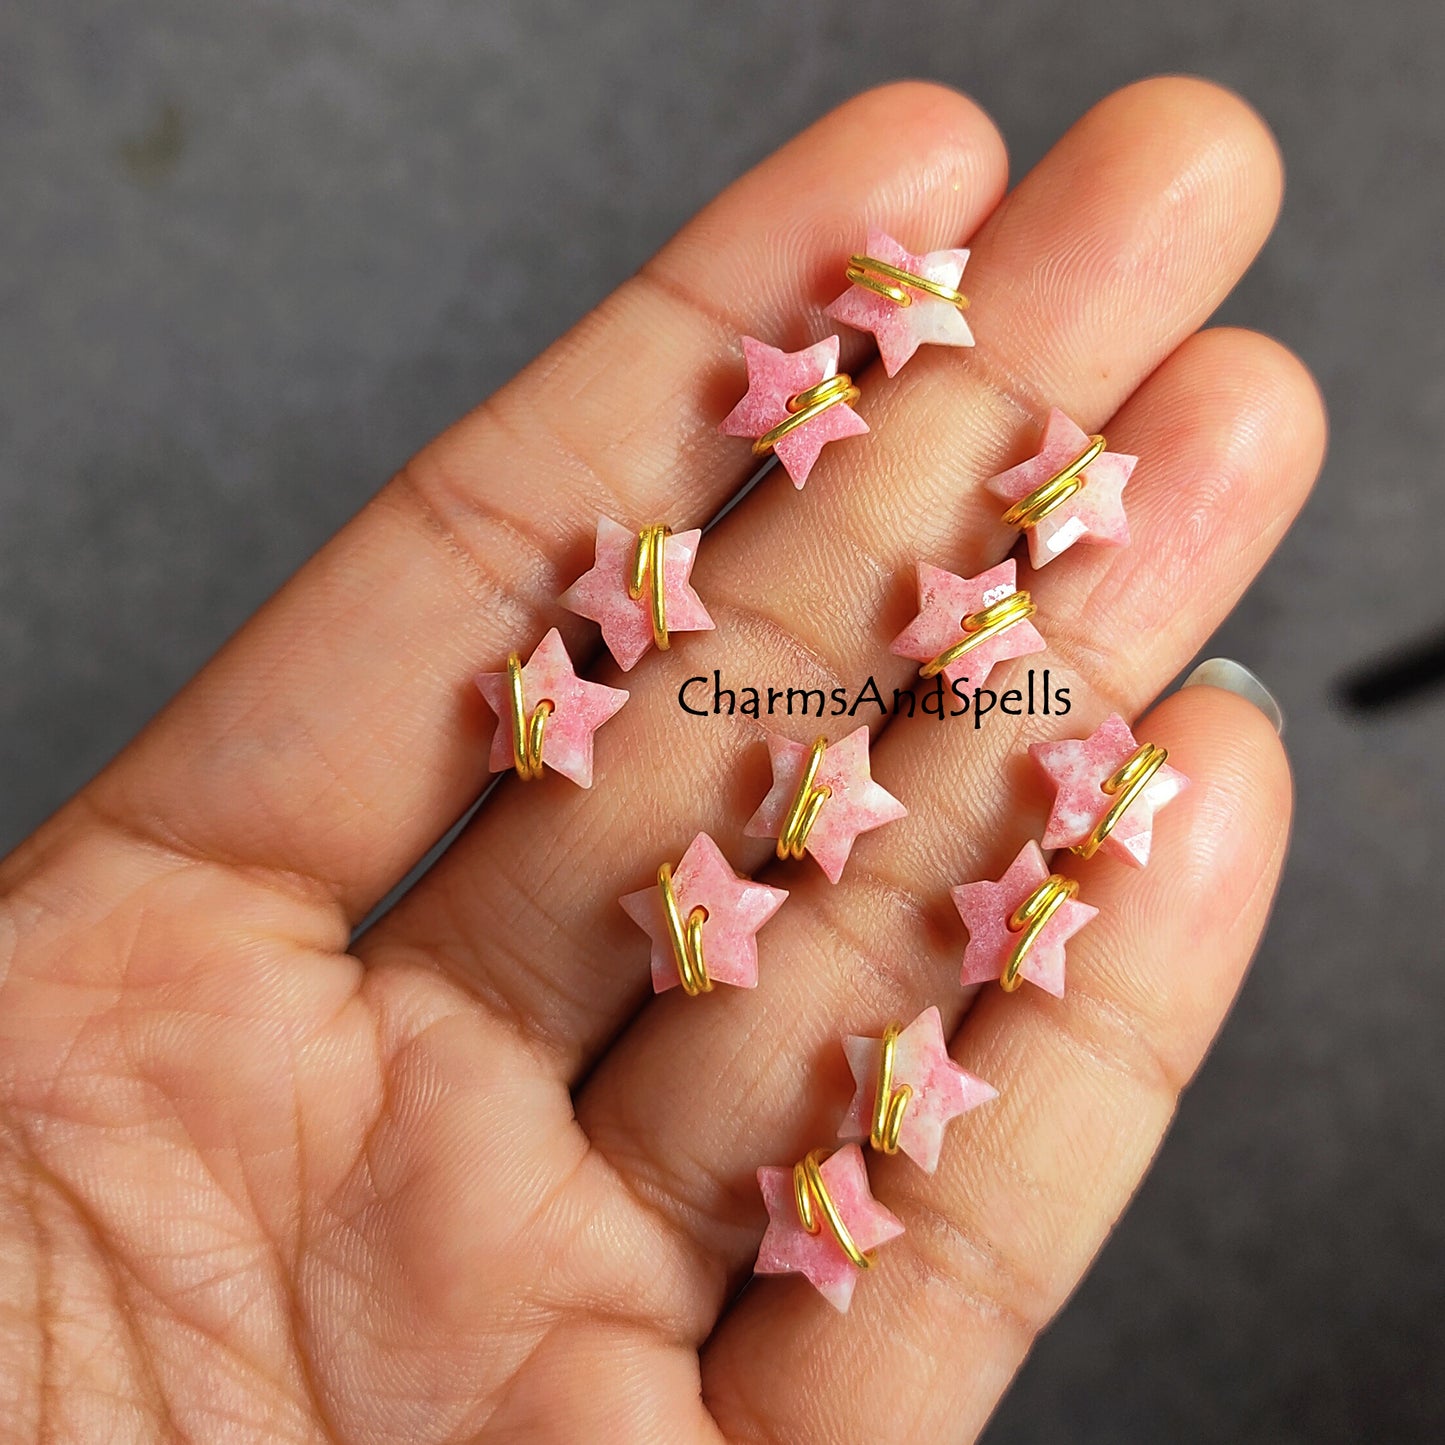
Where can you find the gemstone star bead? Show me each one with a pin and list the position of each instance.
(939, 1089)
(986, 908)
(946, 603)
(775, 381)
(788, 1248)
(736, 909)
(626, 621)
(1092, 513)
(578, 709)
(1079, 768)
(853, 804)
(925, 321)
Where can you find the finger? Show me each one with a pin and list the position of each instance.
(1236, 460)
(338, 735)
(807, 587)
(1029, 1187)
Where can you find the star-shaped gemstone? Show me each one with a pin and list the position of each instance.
(942, 1090)
(579, 708)
(855, 803)
(736, 909)
(926, 321)
(788, 1248)
(986, 908)
(774, 378)
(626, 622)
(1094, 513)
(1078, 769)
(944, 600)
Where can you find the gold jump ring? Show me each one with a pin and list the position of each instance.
(528, 734)
(889, 1104)
(1127, 781)
(812, 402)
(811, 1196)
(979, 626)
(1032, 509)
(895, 284)
(649, 560)
(804, 809)
(686, 938)
(1032, 916)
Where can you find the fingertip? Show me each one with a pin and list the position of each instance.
(1179, 168)
(1235, 677)
(919, 161)
(928, 115)
(1275, 386)
(1231, 826)
(1236, 136)
(1179, 937)
(1135, 226)
(939, 162)
(1253, 415)
(1230, 431)
(928, 134)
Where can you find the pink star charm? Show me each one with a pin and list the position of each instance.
(944, 600)
(1078, 769)
(788, 1248)
(986, 908)
(774, 378)
(926, 320)
(942, 1090)
(855, 804)
(736, 909)
(626, 622)
(1094, 513)
(579, 708)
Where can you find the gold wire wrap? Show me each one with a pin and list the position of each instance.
(895, 284)
(807, 404)
(1032, 917)
(804, 809)
(1029, 511)
(528, 734)
(686, 938)
(889, 1104)
(649, 561)
(1128, 781)
(979, 626)
(811, 1196)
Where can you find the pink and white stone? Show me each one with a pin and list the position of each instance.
(736, 909)
(626, 622)
(579, 708)
(1095, 513)
(774, 378)
(901, 330)
(788, 1248)
(942, 1090)
(986, 908)
(857, 803)
(944, 600)
(1078, 769)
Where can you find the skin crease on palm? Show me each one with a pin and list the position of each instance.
(469, 1180)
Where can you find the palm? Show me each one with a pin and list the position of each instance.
(350, 1188)
(258, 1187)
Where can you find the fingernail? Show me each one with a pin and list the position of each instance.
(1235, 677)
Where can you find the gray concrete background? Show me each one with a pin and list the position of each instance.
(252, 255)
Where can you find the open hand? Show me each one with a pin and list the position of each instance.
(469, 1180)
